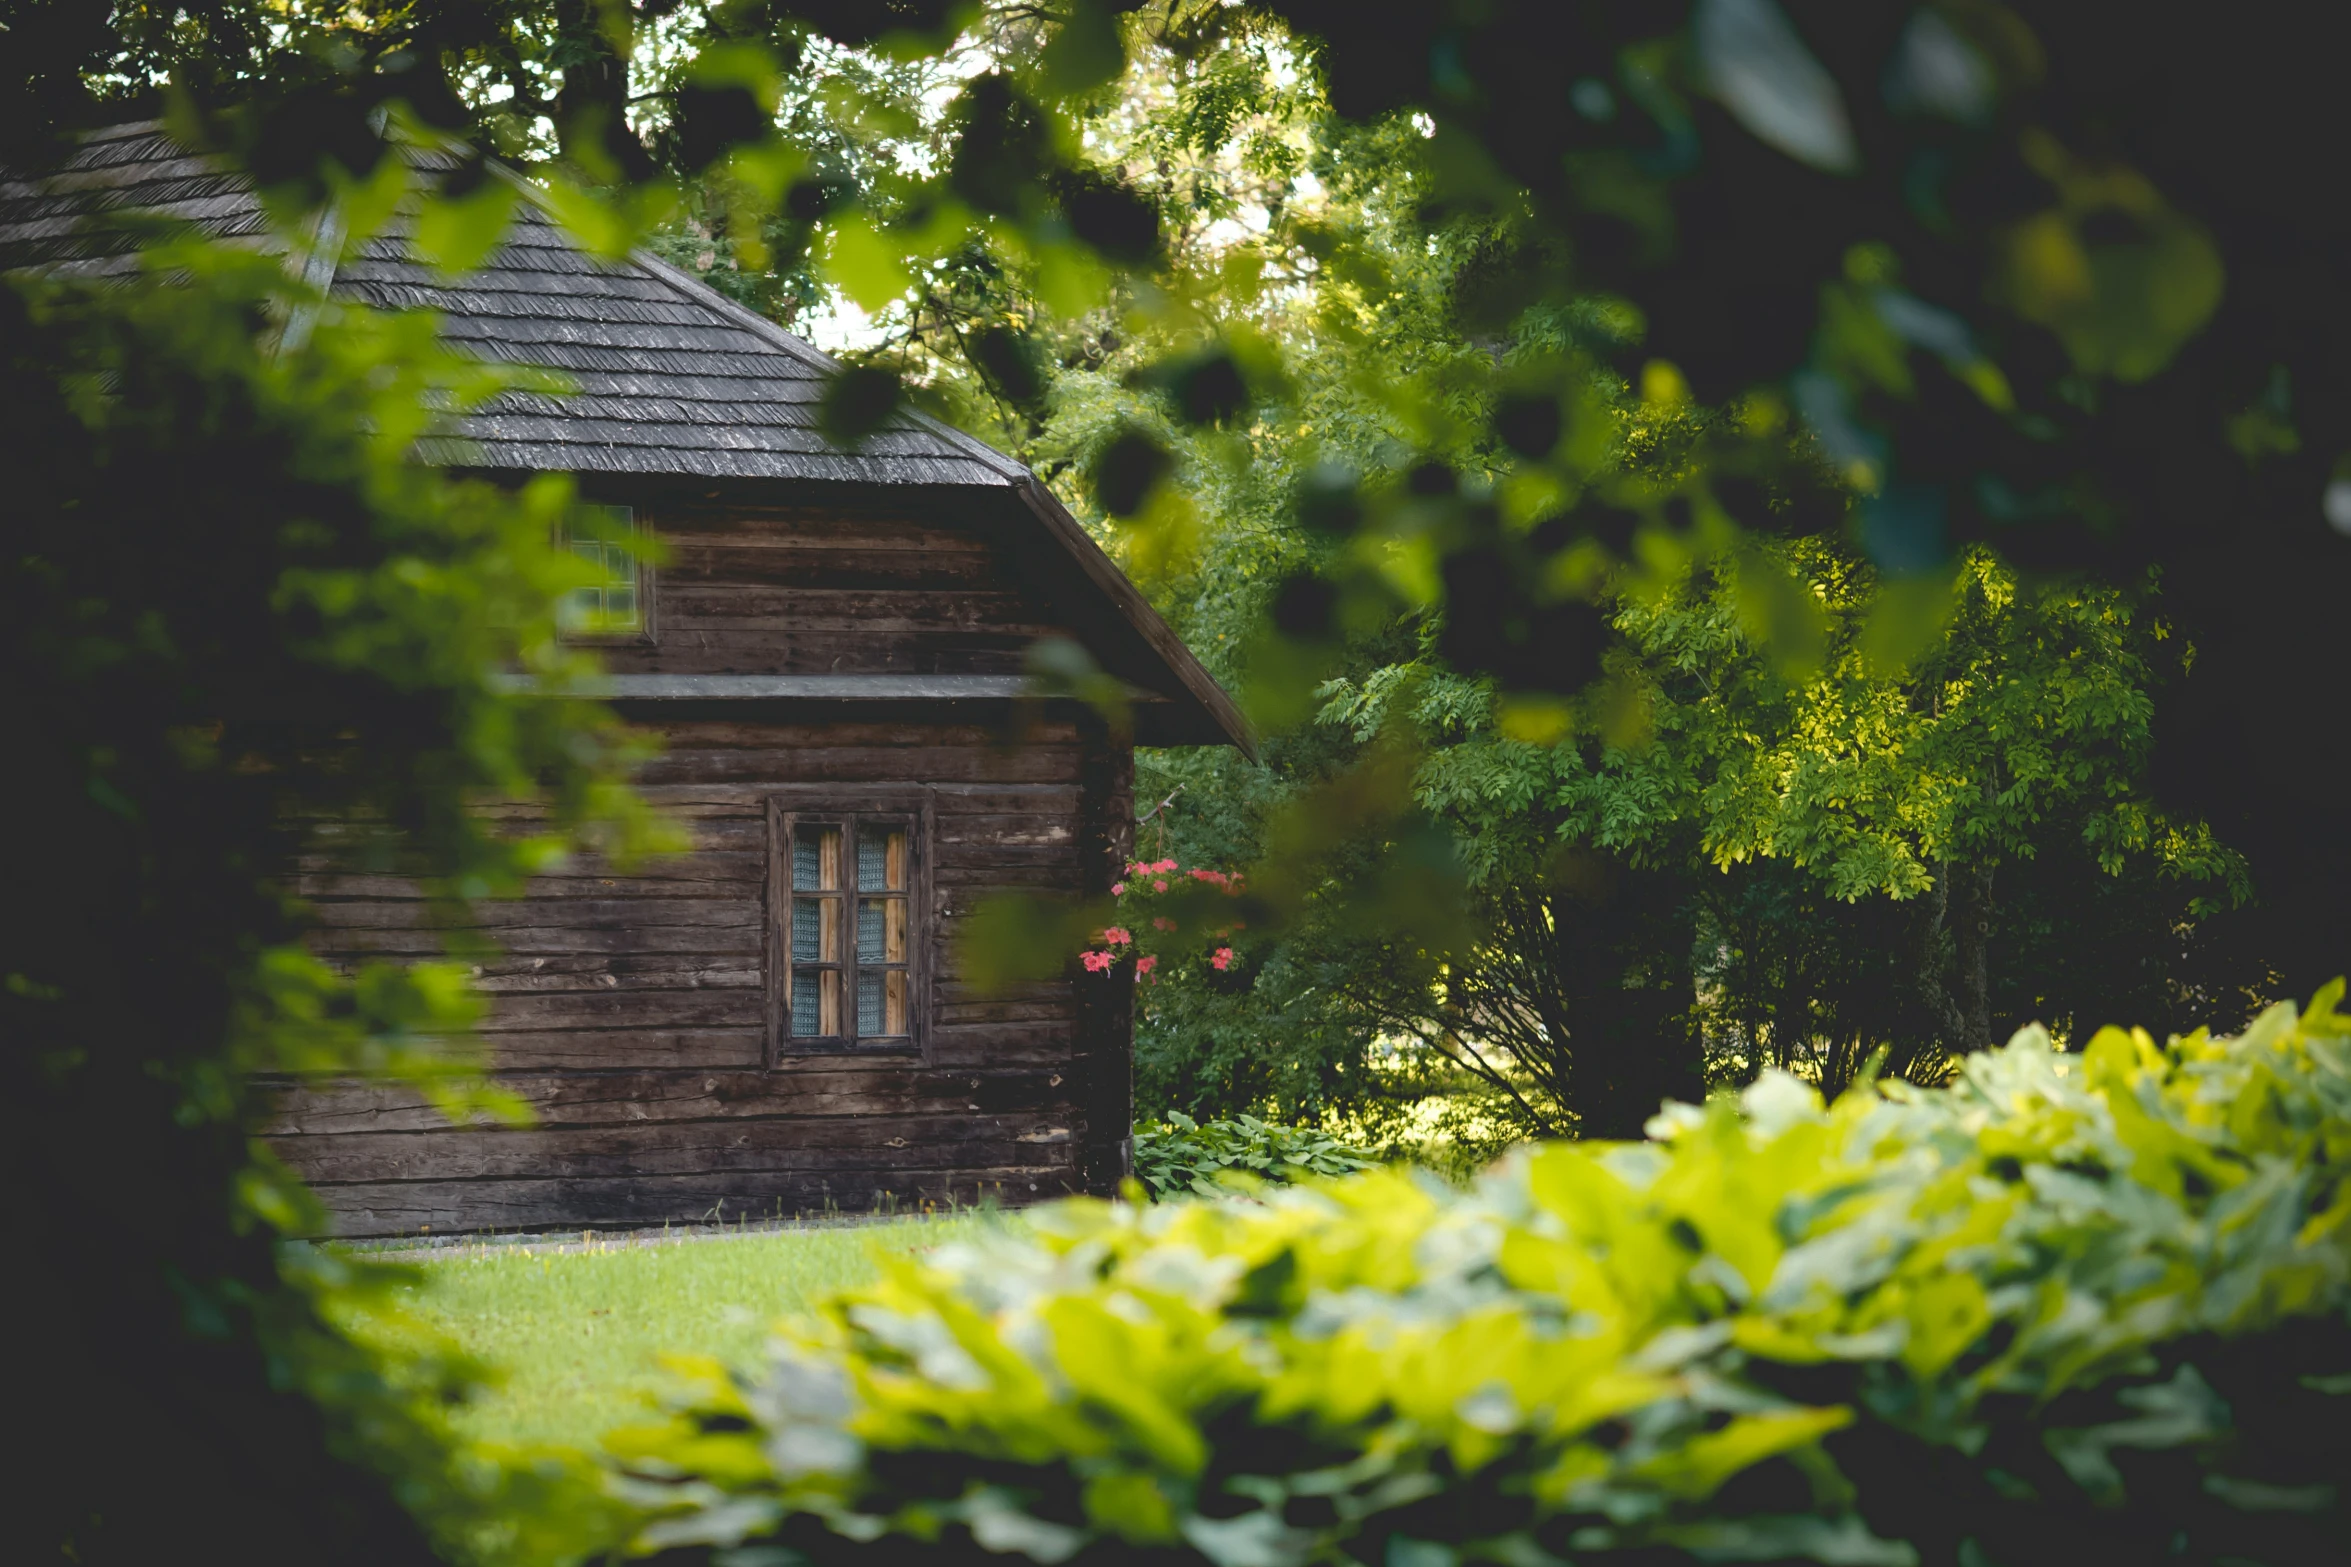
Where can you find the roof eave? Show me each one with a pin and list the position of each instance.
(1223, 715)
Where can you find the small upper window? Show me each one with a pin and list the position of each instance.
(613, 604)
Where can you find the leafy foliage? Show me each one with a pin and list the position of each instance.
(2071, 1306)
(238, 615)
(1180, 1156)
(1688, 877)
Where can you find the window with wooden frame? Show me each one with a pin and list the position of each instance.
(617, 604)
(849, 902)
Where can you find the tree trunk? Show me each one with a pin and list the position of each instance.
(1791, 1025)
(1632, 1042)
(1962, 1003)
(1974, 944)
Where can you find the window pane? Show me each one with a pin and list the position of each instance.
(882, 996)
(881, 930)
(881, 859)
(816, 930)
(816, 859)
(816, 1003)
(597, 536)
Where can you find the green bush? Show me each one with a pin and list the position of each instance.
(2075, 1308)
(1180, 1155)
(233, 609)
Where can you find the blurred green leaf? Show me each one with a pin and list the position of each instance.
(1086, 51)
(859, 400)
(456, 233)
(1012, 940)
(865, 264)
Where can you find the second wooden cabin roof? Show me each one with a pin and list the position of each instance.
(672, 380)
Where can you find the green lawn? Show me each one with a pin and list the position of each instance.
(574, 1333)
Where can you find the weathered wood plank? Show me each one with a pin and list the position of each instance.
(1002, 1044)
(532, 1011)
(693, 800)
(705, 558)
(713, 734)
(781, 529)
(690, 609)
(866, 764)
(616, 972)
(733, 832)
(952, 800)
(957, 1014)
(459, 1207)
(843, 1143)
(972, 854)
(790, 651)
(590, 913)
(1004, 828)
(696, 876)
(420, 941)
(807, 1086)
(952, 989)
(1006, 878)
(687, 803)
(625, 1049)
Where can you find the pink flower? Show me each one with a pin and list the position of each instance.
(1096, 962)
(1145, 965)
(1159, 886)
(1222, 958)
(1162, 922)
(1164, 865)
(1118, 936)
(1118, 889)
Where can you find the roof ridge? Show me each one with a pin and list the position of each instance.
(693, 288)
(124, 130)
(679, 281)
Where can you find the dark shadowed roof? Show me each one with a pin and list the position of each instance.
(669, 378)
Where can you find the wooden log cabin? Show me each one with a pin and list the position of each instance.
(831, 651)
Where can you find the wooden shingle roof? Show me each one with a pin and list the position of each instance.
(668, 377)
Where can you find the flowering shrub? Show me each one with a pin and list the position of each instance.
(2071, 1309)
(1177, 918)
(1180, 1155)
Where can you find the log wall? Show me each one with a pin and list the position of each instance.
(630, 1012)
(771, 587)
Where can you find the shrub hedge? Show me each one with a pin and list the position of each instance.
(2074, 1308)
(1180, 1156)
